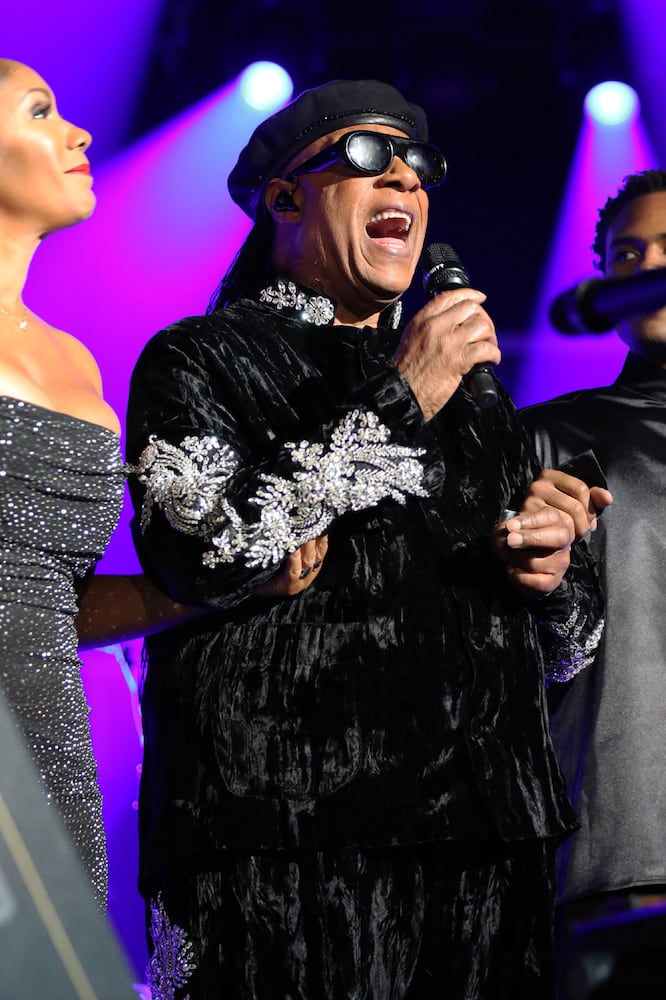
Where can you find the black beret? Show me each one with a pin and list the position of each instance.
(314, 113)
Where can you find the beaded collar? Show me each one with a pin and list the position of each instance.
(316, 309)
(306, 305)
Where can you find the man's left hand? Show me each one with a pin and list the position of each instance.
(534, 548)
(534, 544)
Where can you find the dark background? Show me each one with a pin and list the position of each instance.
(503, 84)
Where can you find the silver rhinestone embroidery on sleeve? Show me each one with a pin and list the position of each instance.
(571, 653)
(357, 470)
(187, 482)
(173, 960)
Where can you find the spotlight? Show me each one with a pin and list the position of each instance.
(612, 103)
(265, 86)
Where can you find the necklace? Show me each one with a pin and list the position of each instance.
(21, 323)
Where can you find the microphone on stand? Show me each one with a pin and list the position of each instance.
(442, 272)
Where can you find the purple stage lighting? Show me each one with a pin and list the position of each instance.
(605, 153)
(642, 25)
(93, 55)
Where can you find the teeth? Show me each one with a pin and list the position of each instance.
(392, 214)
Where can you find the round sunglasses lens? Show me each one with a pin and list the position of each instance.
(428, 164)
(369, 152)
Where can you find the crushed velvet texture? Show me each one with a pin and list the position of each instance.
(400, 698)
(432, 923)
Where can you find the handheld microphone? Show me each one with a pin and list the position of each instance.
(443, 271)
(598, 304)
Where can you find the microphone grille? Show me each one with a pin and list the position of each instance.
(442, 269)
(439, 254)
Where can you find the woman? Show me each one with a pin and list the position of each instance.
(61, 476)
(62, 473)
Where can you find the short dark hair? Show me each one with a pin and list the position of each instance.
(633, 186)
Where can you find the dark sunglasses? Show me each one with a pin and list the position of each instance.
(371, 154)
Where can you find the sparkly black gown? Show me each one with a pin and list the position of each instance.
(61, 482)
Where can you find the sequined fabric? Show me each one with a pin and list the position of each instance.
(61, 482)
(173, 960)
(360, 468)
(316, 309)
(573, 646)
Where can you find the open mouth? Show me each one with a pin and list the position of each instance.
(391, 224)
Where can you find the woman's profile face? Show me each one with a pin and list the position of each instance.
(45, 181)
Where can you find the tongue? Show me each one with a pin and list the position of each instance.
(395, 228)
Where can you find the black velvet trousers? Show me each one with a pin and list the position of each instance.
(440, 922)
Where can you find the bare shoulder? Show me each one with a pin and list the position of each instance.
(74, 352)
(68, 379)
(51, 368)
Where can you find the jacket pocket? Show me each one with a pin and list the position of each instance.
(289, 725)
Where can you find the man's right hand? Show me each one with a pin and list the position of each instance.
(442, 343)
(297, 572)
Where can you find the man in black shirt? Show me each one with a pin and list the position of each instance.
(349, 788)
(608, 726)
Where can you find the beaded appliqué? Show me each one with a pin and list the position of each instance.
(187, 482)
(315, 309)
(571, 654)
(173, 960)
(392, 315)
(357, 470)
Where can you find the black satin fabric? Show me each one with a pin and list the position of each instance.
(400, 698)
(608, 725)
(433, 923)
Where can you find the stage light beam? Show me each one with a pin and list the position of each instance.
(611, 144)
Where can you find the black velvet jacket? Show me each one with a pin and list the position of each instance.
(400, 698)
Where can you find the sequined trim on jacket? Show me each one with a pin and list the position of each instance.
(358, 469)
(173, 960)
(569, 654)
(316, 309)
